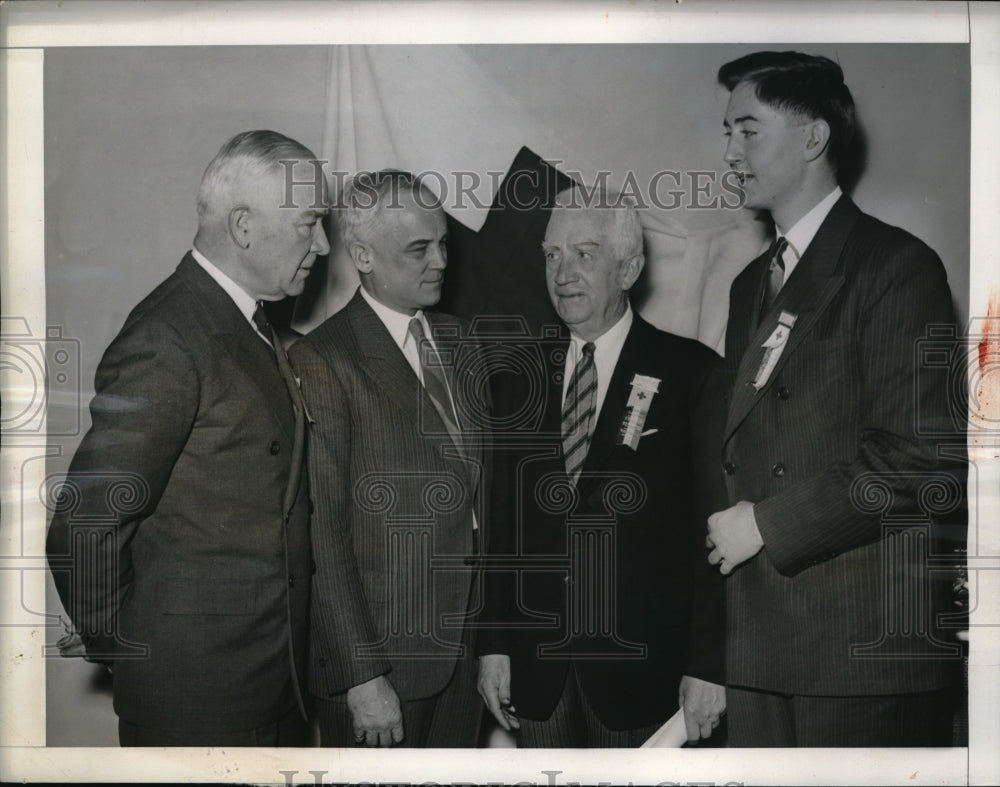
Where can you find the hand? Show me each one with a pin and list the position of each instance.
(494, 688)
(378, 720)
(703, 704)
(734, 535)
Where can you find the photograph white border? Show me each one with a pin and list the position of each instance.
(29, 27)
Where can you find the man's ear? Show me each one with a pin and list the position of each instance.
(239, 226)
(361, 255)
(631, 269)
(818, 137)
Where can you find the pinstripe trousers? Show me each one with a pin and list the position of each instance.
(764, 719)
(574, 725)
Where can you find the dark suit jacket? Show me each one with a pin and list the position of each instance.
(188, 491)
(393, 523)
(841, 404)
(663, 605)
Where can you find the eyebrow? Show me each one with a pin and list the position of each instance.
(580, 245)
(741, 119)
(414, 244)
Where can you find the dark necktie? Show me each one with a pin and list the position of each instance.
(291, 383)
(578, 412)
(775, 275)
(434, 381)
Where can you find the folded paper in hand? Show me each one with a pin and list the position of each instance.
(672, 735)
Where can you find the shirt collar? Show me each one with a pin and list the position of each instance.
(804, 230)
(243, 300)
(397, 323)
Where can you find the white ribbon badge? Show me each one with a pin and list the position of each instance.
(773, 348)
(643, 390)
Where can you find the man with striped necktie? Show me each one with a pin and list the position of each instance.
(601, 619)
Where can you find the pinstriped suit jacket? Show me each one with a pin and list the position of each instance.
(392, 527)
(829, 439)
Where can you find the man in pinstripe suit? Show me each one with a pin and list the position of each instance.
(396, 482)
(821, 444)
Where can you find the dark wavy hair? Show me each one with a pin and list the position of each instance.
(811, 86)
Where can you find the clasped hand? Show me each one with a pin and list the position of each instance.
(733, 536)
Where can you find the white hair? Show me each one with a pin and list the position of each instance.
(626, 231)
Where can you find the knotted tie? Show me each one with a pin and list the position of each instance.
(578, 412)
(775, 275)
(434, 380)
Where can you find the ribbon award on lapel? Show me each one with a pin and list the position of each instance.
(643, 390)
(773, 347)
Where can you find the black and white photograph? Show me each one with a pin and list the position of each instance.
(496, 384)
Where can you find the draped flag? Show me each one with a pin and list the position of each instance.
(496, 167)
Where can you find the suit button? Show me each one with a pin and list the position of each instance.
(274, 448)
(321, 661)
(312, 508)
(313, 567)
(777, 470)
(729, 467)
(783, 393)
(291, 580)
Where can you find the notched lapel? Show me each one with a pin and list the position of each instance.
(225, 324)
(807, 294)
(389, 371)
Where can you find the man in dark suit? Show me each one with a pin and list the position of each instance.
(601, 617)
(179, 544)
(396, 470)
(831, 606)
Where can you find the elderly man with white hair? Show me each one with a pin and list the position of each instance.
(601, 620)
(180, 543)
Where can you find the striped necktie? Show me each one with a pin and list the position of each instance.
(434, 381)
(578, 412)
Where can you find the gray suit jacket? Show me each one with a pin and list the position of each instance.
(180, 543)
(394, 500)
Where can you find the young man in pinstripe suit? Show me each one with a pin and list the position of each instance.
(831, 636)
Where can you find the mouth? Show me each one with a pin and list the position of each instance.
(742, 177)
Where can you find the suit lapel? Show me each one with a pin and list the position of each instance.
(809, 290)
(382, 360)
(227, 326)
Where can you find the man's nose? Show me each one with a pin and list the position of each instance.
(437, 256)
(566, 271)
(734, 150)
(321, 245)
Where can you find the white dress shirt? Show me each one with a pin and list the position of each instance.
(607, 348)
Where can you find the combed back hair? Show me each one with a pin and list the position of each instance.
(366, 194)
(811, 86)
(626, 232)
(247, 155)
